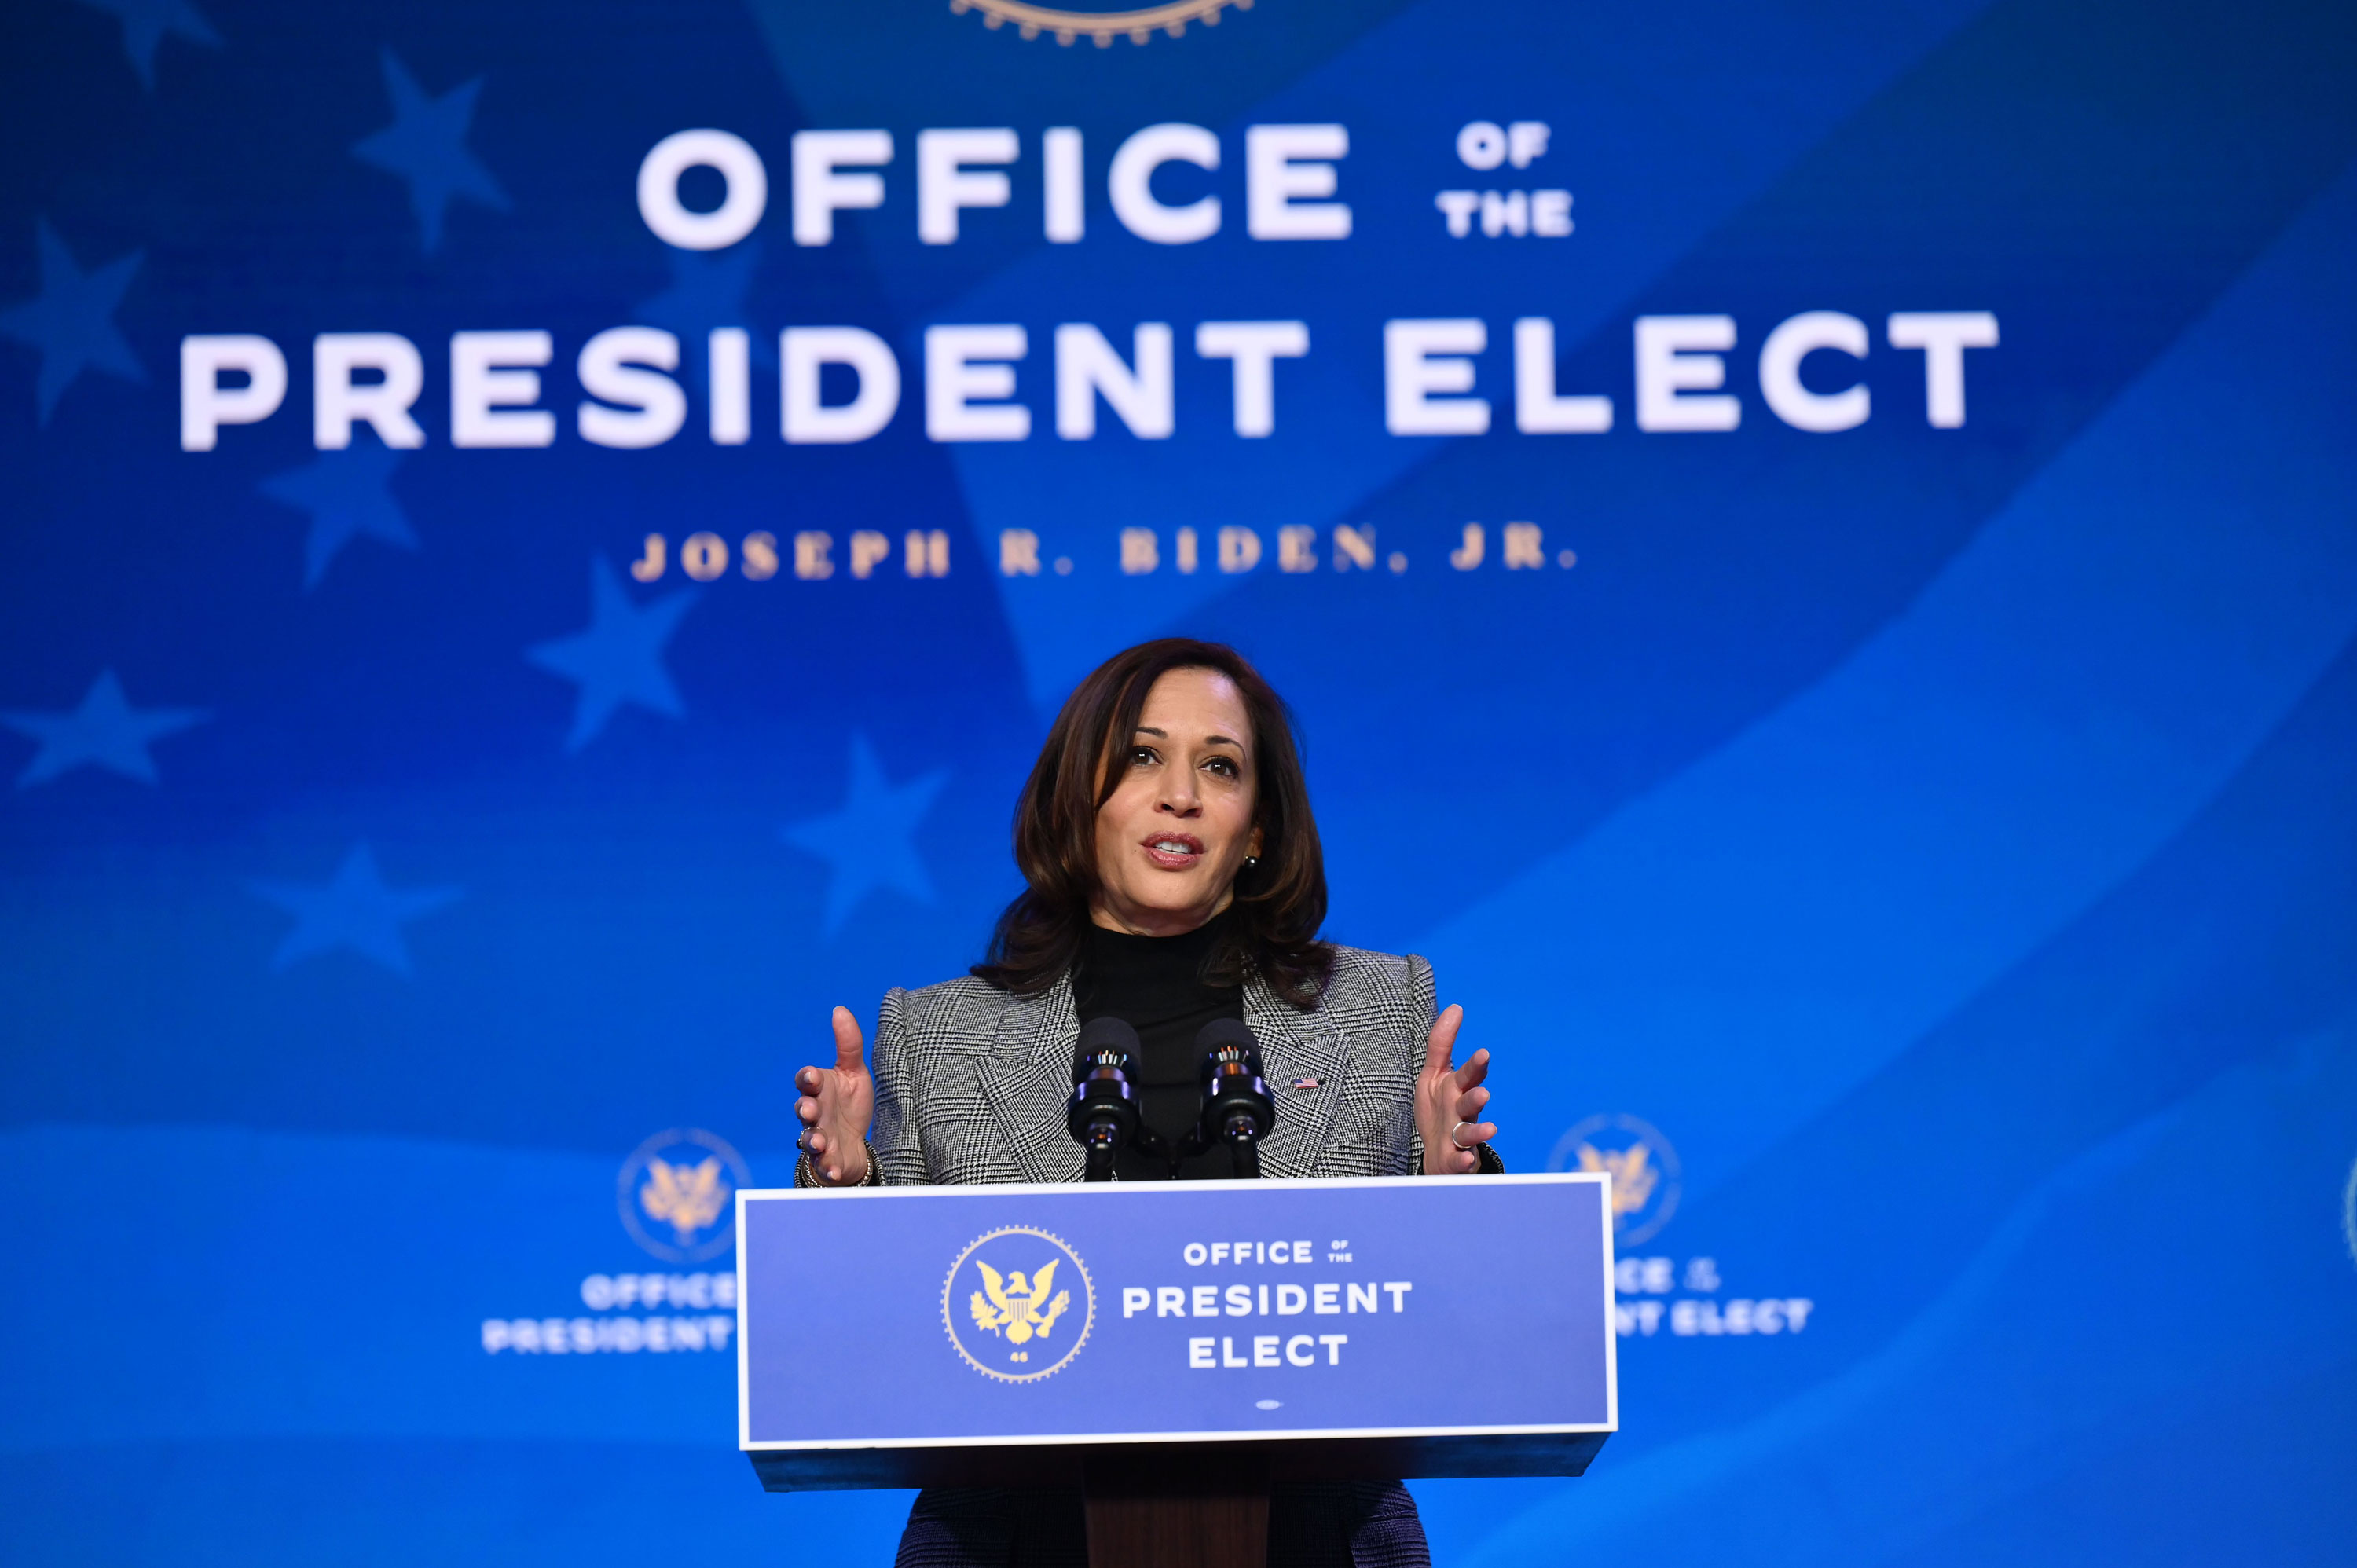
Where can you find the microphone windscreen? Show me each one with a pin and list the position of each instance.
(1224, 1032)
(1108, 1033)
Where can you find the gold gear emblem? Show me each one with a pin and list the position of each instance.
(1026, 1310)
(1102, 26)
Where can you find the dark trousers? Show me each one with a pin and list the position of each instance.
(1361, 1524)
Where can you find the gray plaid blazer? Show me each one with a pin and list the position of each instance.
(970, 1087)
(971, 1082)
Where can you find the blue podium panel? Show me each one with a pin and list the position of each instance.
(1438, 1327)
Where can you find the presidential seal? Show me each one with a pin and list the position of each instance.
(1643, 1167)
(676, 1194)
(1017, 1305)
(1099, 27)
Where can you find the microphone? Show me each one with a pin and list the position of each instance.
(1237, 1109)
(1103, 1113)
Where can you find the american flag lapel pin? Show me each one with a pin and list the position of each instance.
(1304, 1083)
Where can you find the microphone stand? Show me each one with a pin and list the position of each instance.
(1152, 1505)
(1188, 1505)
(1238, 1110)
(1103, 1113)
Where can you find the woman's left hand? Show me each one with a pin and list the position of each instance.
(1448, 1102)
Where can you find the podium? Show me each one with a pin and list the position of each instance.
(1175, 1348)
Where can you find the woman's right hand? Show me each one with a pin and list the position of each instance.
(838, 1104)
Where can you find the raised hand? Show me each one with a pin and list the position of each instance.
(1448, 1102)
(838, 1104)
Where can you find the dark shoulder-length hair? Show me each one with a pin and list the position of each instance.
(1280, 902)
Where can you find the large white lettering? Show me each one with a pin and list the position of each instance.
(494, 381)
(623, 366)
(803, 351)
(1087, 368)
(1422, 359)
(728, 355)
(745, 189)
(946, 182)
(1208, 1353)
(1677, 361)
(964, 364)
(634, 398)
(337, 400)
(1779, 371)
(1283, 167)
(206, 405)
(821, 190)
(1130, 184)
(1066, 211)
(1944, 336)
(1538, 409)
(1254, 347)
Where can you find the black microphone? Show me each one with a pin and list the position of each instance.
(1237, 1110)
(1103, 1110)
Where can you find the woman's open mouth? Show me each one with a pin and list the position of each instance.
(1174, 852)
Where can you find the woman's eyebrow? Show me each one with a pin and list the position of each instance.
(1207, 740)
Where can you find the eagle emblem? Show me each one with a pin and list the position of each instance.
(674, 1194)
(1018, 1327)
(685, 1197)
(1019, 1310)
(1642, 1163)
(1632, 1174)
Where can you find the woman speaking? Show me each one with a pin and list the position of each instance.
(1174, 877)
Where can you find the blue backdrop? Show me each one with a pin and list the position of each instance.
(1880, 781)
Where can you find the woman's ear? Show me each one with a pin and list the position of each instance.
(1251, 851)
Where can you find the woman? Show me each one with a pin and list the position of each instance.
(1175, 876)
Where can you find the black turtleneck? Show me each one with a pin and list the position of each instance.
(1156, 986)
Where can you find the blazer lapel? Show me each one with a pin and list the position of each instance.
(1027, 1078)
(1295, 1048)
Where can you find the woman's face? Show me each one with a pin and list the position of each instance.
(1180, 824)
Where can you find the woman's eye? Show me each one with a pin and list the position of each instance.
(1223, 765)
(1142, 756)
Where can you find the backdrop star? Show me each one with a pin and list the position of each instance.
(619, 657)
(707, 290)
(345, 493)
(145, 23)
(355, 911)
(71, 320)
(426, 146)
(871, 842)
(107, 732)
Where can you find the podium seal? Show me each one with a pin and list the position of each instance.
(1018, 1305)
